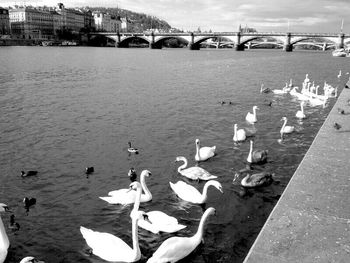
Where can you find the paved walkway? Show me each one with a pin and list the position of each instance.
(311, 221)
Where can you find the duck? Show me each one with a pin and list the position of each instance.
(126, 196)
(337, 126)
(256, 180)
(176, 248)
(4, 240)
(31, 260)
(160, 221)
(264, 90)
(131, 149)
(285, 128)
(251, 117)
(300, 113)
(28, 202)
(194, 172)
(239, 135)
(190, 194)
(341, 111)
(256, 156)
(110, 247)
(28, 173)
(203, 153)
(132, 174)
(89, 170)
(13, 225)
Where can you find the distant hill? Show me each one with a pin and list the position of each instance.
(138, 22)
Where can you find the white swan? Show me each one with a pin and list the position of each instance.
(264, 90)
(31, 260)
(203, 153)
(300, 113)
(299, 95)
(157, 220)
(4, 240)
(194, 172)
(256, 156)
(175, 248)
(190, 194)
(239, 135)
(125, 196)
(284, 90)
(251, 117)
(112, 248)
(285, 128)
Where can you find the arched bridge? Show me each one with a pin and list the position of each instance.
(237, 39)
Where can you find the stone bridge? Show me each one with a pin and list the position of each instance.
(237, 39)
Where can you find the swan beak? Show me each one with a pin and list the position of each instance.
(145, 217)
(220, 189)
(7, 209)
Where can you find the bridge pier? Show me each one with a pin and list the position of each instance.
(340, 43)
(192, 46)
(288, 47)
(239, 47)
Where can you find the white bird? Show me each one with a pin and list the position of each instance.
(158, 221)
(284, 90)
(31, 260)
(190, 194)
(239, 135)
(300, 113)
(251, 117)
(339, 75)
(264, 90)
(4, 240)
(194, 172)
(112, 248)
(203, 153)
(256, 156)
(176, 248)
(285, 128)
(125, 196)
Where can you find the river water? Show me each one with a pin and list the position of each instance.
(63, 109)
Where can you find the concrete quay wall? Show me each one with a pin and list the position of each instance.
(311, 221)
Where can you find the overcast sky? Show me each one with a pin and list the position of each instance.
(226, 15)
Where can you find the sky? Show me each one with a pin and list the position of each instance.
(314, 16)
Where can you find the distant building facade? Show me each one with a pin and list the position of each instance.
(105, 22)
(31, 23)
(4, 22)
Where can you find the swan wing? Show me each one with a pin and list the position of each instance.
(207, 152)
(118, 192)
(107, 246)
(186, 192)
(123, 199)
(196, 172)
(173, 249)
(160, 222)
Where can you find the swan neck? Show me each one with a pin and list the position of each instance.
(137, 199)
(144, 186)
(254, 111)
(200, 231)
(205, 191)
(182, 166)
(135, 238)
(284, 125)
(197, 150)
(4, 241)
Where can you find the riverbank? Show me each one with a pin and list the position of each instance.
(311, 221)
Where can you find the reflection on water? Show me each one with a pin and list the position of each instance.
(66, 109)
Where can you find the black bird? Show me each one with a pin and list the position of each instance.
(222, 102)
(347, 87)
(28, 202)
(29, 173)
(89, 170)
(132, 174)
(337, 126)
(131, 149)
(341, 111)
(269, 104)
(14, 226)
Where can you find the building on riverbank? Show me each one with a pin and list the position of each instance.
(4, 22)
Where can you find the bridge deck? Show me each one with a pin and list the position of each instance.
(311, 221)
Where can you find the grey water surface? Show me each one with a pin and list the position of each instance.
(63, 109)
